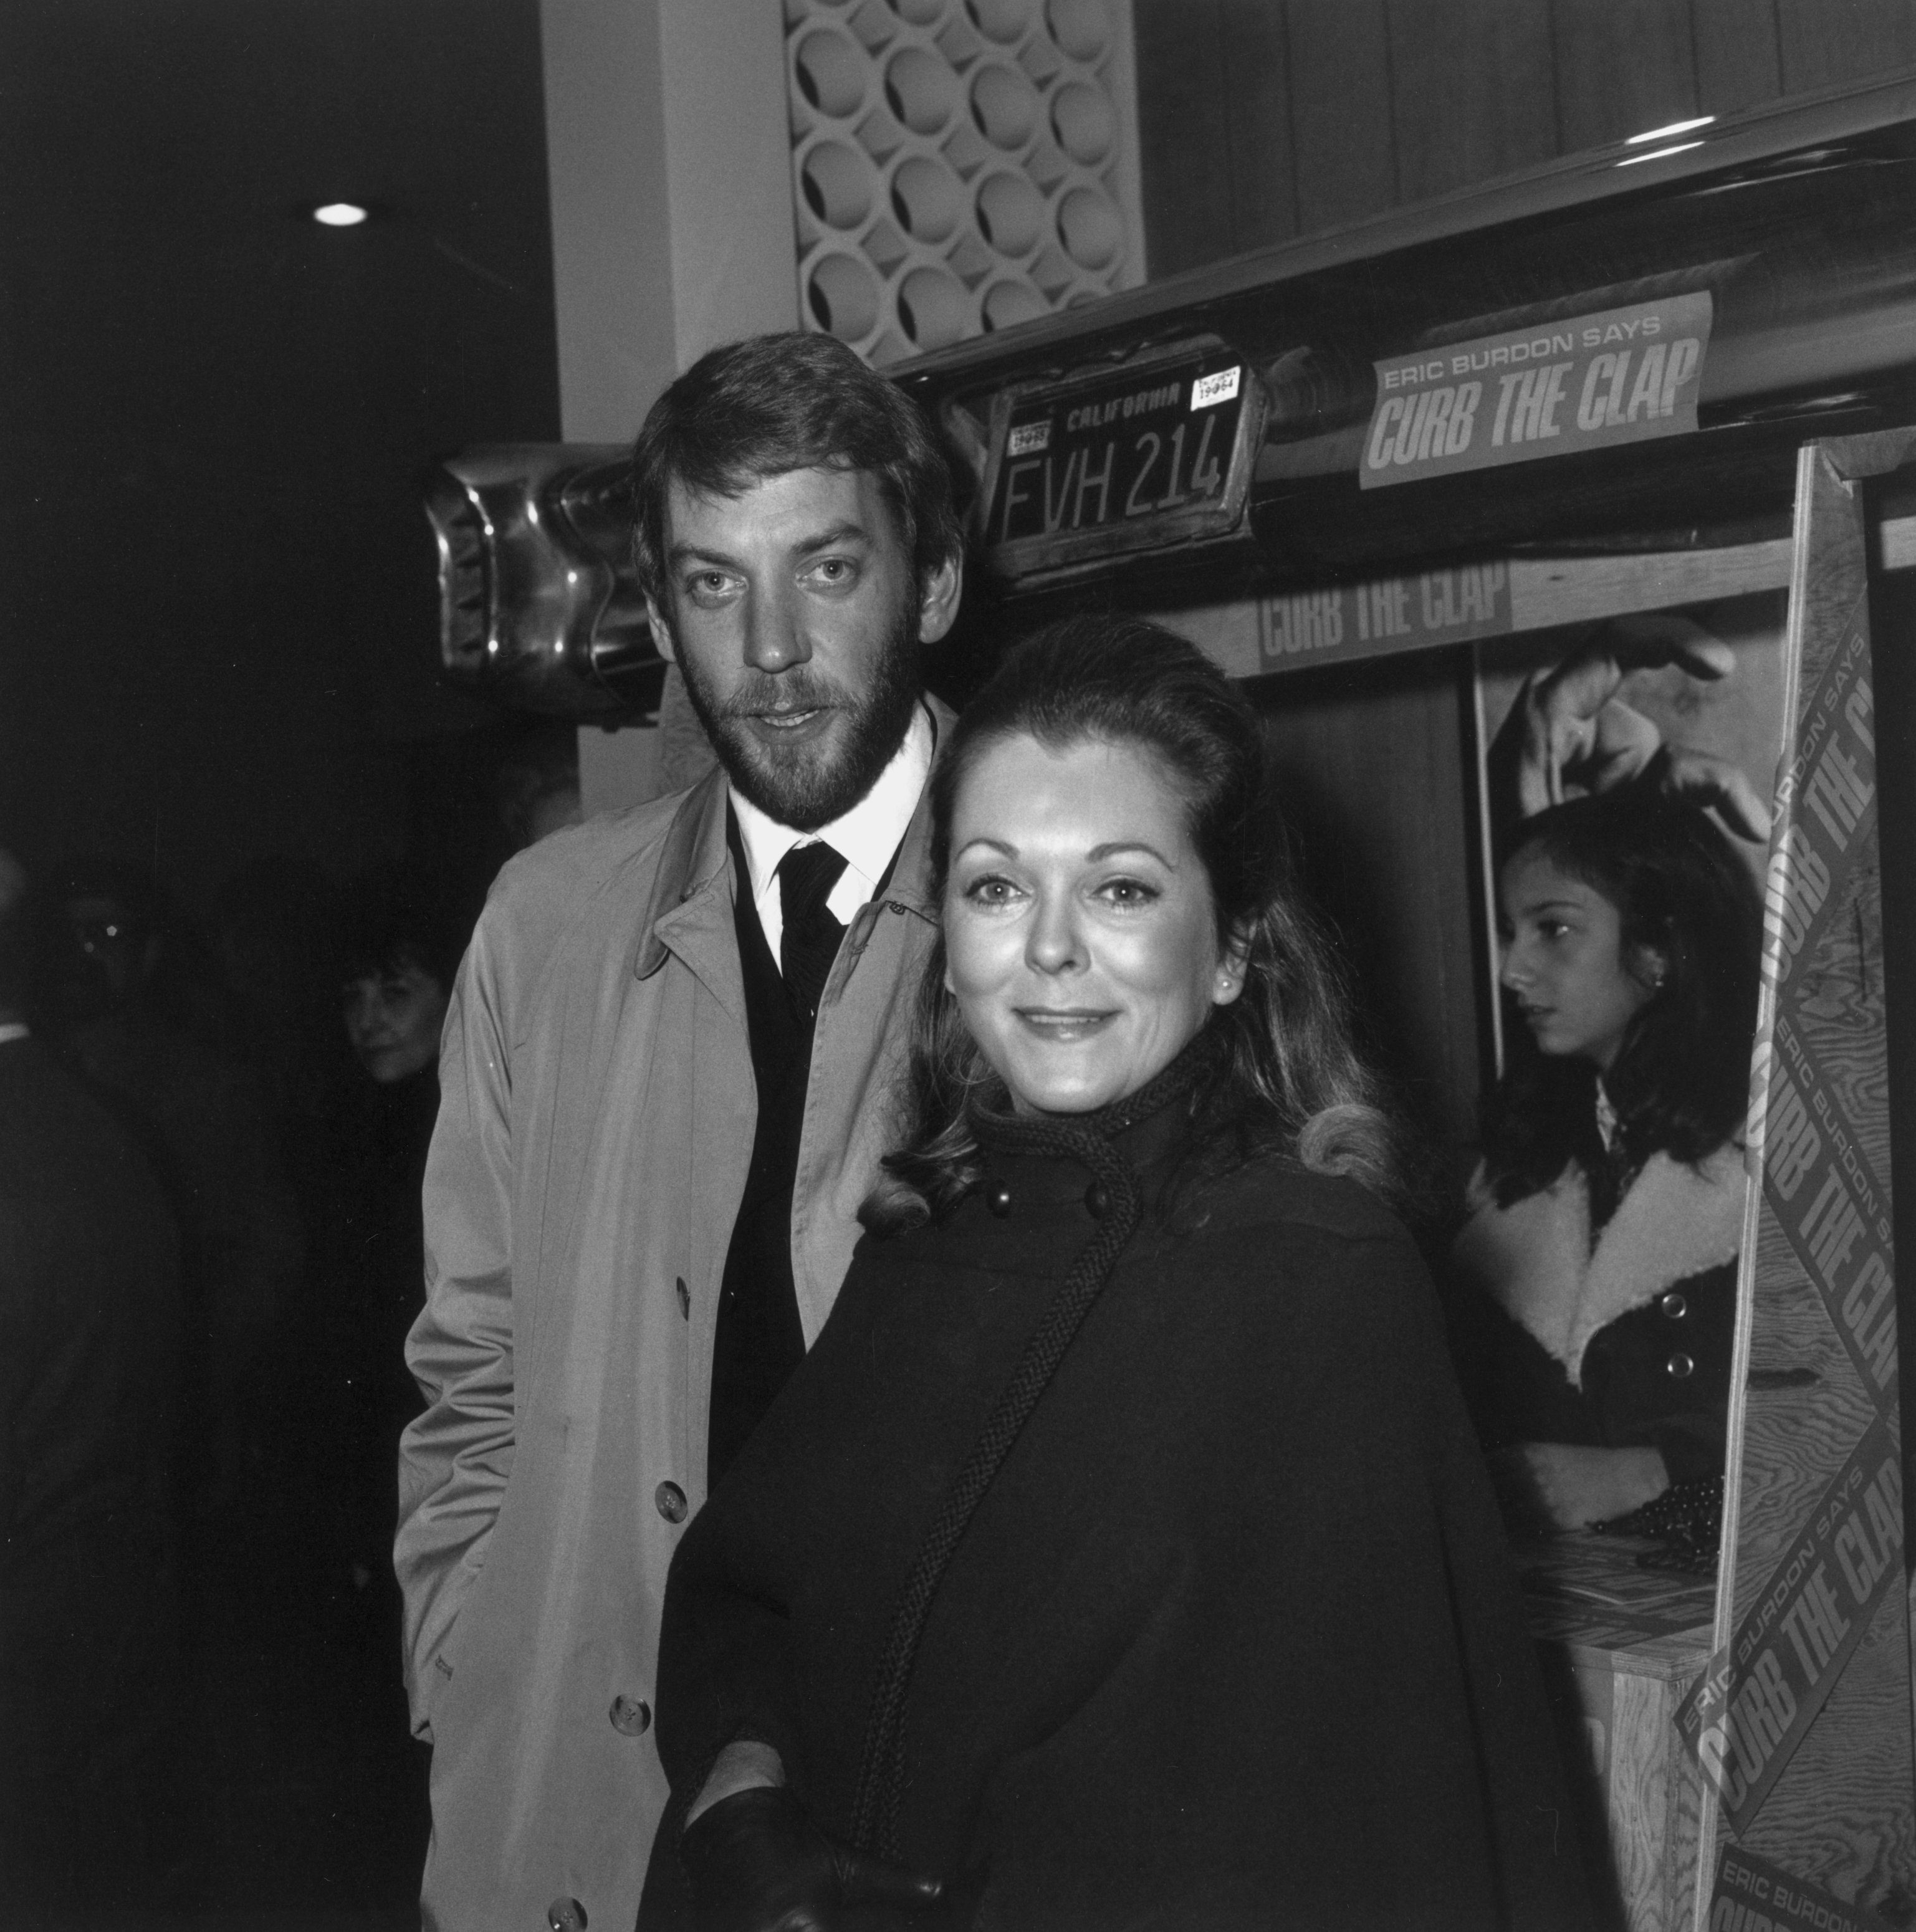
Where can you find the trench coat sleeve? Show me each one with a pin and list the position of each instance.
(454, 1459)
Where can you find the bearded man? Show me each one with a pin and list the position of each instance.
(667, 1076)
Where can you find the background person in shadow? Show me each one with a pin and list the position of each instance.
(90, 1323)
(134, 1005)
(401, 933)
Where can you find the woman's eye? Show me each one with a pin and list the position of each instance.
(991, 891)
(1126, 892)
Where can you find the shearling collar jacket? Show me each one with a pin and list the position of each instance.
(1536, 1260)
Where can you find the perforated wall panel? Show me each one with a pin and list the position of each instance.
(960, 165)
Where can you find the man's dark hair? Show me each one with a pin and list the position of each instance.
(775, 404)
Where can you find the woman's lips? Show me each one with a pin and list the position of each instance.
(1065, 1026)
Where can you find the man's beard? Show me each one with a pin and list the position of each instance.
(797, 787)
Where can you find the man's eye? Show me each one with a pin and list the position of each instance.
(835, 571)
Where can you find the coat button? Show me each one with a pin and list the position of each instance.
(566, 1914)
(998, 1198)
(1097, 1200)
(685, 1297)
(1674, 1305)
(1679, 1365)
(670, 1500)
(632, 1716)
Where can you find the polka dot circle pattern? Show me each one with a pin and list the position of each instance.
(959, 166)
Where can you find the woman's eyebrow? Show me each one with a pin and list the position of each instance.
(1099, 853)
(995, 844)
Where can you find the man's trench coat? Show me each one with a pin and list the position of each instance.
(591, 1150)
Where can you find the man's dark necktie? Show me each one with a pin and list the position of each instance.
(806, 876)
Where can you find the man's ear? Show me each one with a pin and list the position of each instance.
(937, 599)
(661, 631)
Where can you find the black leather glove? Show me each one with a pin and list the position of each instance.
(757, 1863)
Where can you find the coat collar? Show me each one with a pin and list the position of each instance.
(1536, 1259)
(694, 861)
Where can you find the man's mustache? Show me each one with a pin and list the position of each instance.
(763, 694)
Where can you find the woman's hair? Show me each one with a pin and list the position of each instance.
(1289, 1077)
(1680, 1082)
(401, 914)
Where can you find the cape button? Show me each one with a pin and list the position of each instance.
(998, 1198)
(670, 1500)
(632, 1716)
(566, 1914)
(1097, 1200)
(1679, 1365)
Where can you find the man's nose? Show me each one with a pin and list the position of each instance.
(775, 637)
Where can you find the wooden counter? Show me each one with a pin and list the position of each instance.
(1621, 1646)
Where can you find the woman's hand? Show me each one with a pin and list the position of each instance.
(757, 1863)
(1556, 1485)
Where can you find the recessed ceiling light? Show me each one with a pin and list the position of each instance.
(1659, 153)
(1666, 133)
(340, 214)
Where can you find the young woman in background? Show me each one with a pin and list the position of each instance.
(1597, 1292)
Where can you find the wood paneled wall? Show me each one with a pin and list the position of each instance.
(1262, 119)
(1372, 781)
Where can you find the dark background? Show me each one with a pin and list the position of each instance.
(217, 627)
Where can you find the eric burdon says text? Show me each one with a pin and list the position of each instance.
(1633, 377)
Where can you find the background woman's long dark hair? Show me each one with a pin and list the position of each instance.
(1680, 1083)
(1290, 1077)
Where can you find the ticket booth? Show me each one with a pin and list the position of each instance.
(1651, 408)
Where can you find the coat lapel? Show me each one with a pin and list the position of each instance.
(1535, 1260)
(689, 916)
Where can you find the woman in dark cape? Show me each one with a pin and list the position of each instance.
(1120, 1556)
